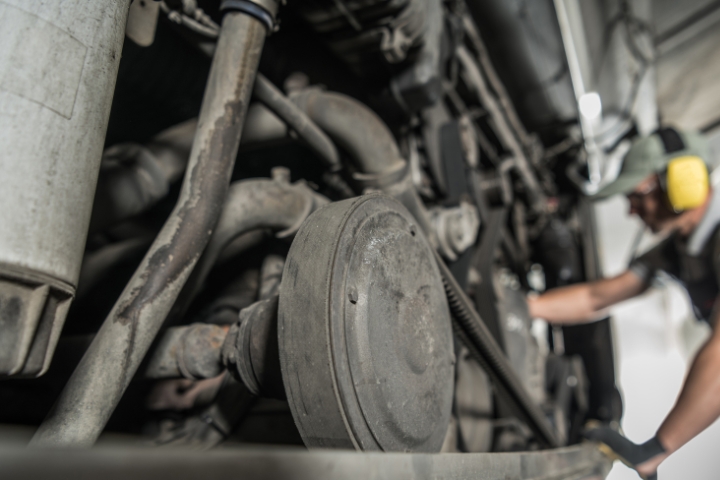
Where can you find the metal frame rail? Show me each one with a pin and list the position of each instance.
(582, 462)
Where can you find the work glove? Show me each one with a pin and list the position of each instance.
(619, 447)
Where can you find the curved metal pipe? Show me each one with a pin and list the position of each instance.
(251, 205)
(360, 132)
(103, 374)
(355, 127)
(297, 120)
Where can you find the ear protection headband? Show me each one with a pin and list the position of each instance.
(685, 180)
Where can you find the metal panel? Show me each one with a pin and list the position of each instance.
(580, 462)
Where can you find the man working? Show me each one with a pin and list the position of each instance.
(665, 179)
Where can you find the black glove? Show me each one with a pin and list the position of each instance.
(626, 451)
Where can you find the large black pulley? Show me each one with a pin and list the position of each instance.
(364, 329)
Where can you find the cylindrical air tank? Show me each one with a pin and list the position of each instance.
(58, 66)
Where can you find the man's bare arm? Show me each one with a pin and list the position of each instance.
(585, 302)
(698, 405)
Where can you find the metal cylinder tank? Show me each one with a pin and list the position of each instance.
(58, 66)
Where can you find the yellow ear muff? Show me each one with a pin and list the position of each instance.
(687, 182)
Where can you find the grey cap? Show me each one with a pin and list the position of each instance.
(647, 156)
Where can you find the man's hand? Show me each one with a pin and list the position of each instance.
(645, 457)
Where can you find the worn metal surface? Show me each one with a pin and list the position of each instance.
(583, 462)
(193, 351)
(473, 404)
(32, 312)
(521, 347)
(481, 343)
(365, 335)
(106, 369)
(251, 350)
(58, 66)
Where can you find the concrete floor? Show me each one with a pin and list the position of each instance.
(656, 337)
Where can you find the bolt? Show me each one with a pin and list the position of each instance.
(353, 295)
(412, 230)
(280, 174)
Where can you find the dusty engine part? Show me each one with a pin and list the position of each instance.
(473, 405)
(251, 349)
(251, 205)
(396, 41)
(107, 367)
(420, 85)
(476, 336)
(364, 330)
(191, 352)
(372, 146)
(271, 276)
(54, 108)
(457, 228)
(368, 34)
(521, 347)
(296, 119)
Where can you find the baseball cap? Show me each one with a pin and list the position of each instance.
(647, 156)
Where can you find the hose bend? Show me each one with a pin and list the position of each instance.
(365, 137)
(251, 205)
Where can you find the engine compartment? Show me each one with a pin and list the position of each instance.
(392, 105)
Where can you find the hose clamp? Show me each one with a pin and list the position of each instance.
(263, 10)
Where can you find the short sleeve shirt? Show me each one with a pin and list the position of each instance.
(694, 261)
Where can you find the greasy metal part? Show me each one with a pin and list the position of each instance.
(297, 120)
(364, 329)
(485, 349)
(476, 80)
(581, 462)
(251, 205)
(192, 352)
(108, 366)
(251, 349)
(58, 67)
(359, 131)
